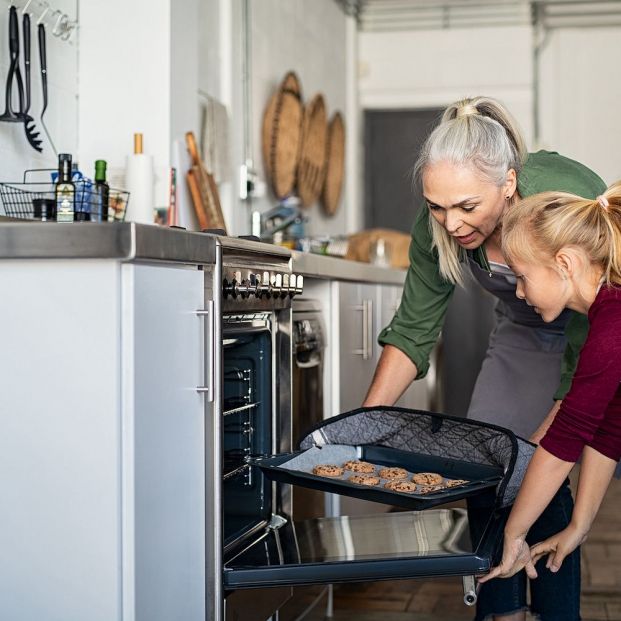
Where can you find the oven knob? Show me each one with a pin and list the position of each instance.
(275, 284)
(227, 288)
(292, 283)
(264, 285)
(236, 284)
(254, 284)
(299, 285)
(284, 292)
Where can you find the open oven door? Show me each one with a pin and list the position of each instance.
(402, 545)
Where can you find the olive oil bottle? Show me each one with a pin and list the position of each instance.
(65, 190)
(102, 193)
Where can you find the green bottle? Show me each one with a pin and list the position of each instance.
(65, 190)
(102, 193)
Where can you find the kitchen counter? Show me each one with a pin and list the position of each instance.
(333, 268)
(128, 241)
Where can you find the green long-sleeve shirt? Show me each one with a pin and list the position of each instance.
(417, 323)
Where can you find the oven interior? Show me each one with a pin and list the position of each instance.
(247, 428)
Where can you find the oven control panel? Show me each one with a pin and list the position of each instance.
(261, 285)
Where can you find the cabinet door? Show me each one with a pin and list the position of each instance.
(357, 345)
(163, 442)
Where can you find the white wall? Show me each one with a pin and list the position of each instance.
(578, 92)
(579, 97)
(432, 68)
(310, 38)
(16, 154)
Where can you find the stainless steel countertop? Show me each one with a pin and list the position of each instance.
(126, 241)
(332, 268)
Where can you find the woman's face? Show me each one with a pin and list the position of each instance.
(468, 207)
(543, 287)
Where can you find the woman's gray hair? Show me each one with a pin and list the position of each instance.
(479, 133)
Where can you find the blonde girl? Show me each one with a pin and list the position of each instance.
(566, 253)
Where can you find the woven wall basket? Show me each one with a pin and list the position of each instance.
(312, 164)
(335, 165)
(282, 131)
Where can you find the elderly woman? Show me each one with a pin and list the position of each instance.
(473, 167)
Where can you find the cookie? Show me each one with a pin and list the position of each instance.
(401, 486)
(364, 479)
(359, 466)
(455, 482)
(428, 489)
(427, 478)
(393, 473)
(328, 470)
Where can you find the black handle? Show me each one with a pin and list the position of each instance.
(13, 33)
(14, 49)
(43, 64)
(26, 36)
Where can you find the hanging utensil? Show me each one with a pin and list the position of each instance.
(32, 135)
(43, 66)
(15, 74)
(10, 115)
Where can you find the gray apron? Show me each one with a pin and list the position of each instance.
(522, 366)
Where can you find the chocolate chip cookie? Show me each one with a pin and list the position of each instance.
(364, 479)
(359, 466)
(401, 486)
(328, 470)
(427, 478)
(393, 473)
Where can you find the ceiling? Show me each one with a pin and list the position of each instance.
(399, 15)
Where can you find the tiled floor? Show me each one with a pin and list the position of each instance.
(441, 600)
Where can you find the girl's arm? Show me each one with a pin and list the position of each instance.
(547, 421)
(596, 472)
(544, 477)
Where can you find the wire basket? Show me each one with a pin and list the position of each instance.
(36, 200)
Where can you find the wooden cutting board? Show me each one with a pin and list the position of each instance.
(203, 190)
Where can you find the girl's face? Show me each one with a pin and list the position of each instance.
(544, 287)
(468, 207)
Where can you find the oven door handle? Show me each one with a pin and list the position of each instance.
(208, 316)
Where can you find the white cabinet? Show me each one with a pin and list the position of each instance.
(101, 443)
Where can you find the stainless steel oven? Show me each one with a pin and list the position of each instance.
(308, 352)
(255, 551)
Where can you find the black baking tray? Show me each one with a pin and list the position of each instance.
(480, 477)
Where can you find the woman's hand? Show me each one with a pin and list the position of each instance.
(558, 546)
(516, 556)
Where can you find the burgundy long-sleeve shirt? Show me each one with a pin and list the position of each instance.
(590, 414)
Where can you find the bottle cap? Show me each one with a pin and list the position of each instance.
(137, 143)
(100, 170)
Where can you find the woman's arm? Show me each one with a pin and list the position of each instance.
(596, 472)
(394, 373)
(544, 477)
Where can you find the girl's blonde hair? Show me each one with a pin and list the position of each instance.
(479, 133)
(537, 227)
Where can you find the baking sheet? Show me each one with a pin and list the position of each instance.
(297, 469)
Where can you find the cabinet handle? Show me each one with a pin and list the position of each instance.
(367, 329)
(208, 316)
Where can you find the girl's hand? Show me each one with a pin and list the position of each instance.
(515, 557)
(558, 546)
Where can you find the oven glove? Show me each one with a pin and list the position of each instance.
(429, 433)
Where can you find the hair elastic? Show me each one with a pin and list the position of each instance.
(603, 201)
(466, 110)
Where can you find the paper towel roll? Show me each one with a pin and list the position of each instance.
(139, 182)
